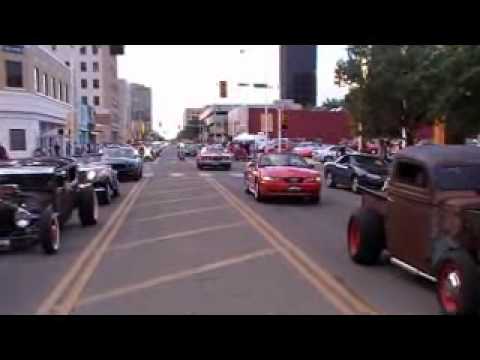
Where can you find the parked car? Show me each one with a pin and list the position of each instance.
(102, 176)
(355, 171)
(37, 197)
(125, 161)
(328, 153)
(306, 149)
(428, 222)
(214, 156)
(191, 150)
(284, 174)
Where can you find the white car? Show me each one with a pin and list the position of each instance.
(329, 153)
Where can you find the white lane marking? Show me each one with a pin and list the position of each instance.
(176, 174)
(237, 175)
(177, 200)
(175, 276)
(205, 174)
(177, 190)
(134, 244)
(185, 212)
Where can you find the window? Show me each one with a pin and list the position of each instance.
(36, 79)
(96, 83)
(83, 50)
(83, 66)
(18, 141)
(94, 49)
(96, 100)
(54, 87)
(95, 67)
(344, 160)
(45, 84)
(67, 98)
(83, 83)
(411, 174)
(84, 100)
(14, 74)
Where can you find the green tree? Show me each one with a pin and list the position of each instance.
(331, 104)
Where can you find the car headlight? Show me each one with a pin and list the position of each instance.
(91, 175)
(23, 218)
(267, 178)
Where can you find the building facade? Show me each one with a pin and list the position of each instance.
(125, 112)
(141, 110)
(214, 120)
(94, 73)
(298, 74)
(35, 100)
(191, 115)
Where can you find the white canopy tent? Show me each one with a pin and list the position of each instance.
(245, 137)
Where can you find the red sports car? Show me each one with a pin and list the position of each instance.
(282, 175)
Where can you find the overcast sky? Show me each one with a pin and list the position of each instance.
(184, 76)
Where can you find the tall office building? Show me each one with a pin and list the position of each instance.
(298, 74)
(141, 109)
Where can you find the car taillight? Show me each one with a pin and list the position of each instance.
(315, 179)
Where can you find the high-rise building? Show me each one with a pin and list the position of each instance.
(141, 109)
(190, 115)
(35, 100)
(95, 75)
(125, 113)
(298, 74)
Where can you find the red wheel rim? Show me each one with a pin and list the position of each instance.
(353, 238)
(449, 285)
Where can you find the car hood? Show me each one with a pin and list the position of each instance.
(120, 160)
(375, 170)
(287, 171)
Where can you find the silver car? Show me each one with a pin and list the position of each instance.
(214, 157)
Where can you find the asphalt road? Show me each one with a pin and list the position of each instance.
(184, 241)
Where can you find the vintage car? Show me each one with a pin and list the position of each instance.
(191, 150)
(214, 156)
(328, 153)
(37, 197)
(279, 175)
(102, 176)
(427, 222)
(125, 161)
(354, 171)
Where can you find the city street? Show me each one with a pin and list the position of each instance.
(183, 241)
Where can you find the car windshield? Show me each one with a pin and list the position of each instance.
(283, 160)
(458, 178)
(369, 161)
(119, 153)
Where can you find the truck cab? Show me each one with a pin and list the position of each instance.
(427, 222)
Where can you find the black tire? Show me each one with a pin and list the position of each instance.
(228, 167)
(354, 186)
(50, 235)
(88, 207)
(365, 237)
(457, 266)
(105, 197)
(139, 175)
(116, 190)
(329, 180)
(199, 167)
(257, 194)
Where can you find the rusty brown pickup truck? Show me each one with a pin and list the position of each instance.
(427, 222)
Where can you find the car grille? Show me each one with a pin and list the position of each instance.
(6, 222)
(119, 166)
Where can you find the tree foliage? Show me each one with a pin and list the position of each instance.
(395, 86)
(331, 104)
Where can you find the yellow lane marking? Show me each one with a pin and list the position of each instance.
(131, 245)
(185, 212)
(152, 203)
(174, 277)
(63, 297)
(339, 295)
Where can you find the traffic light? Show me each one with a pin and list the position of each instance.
(223, 89)
(284, 121)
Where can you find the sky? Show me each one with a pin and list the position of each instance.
(184, 76)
